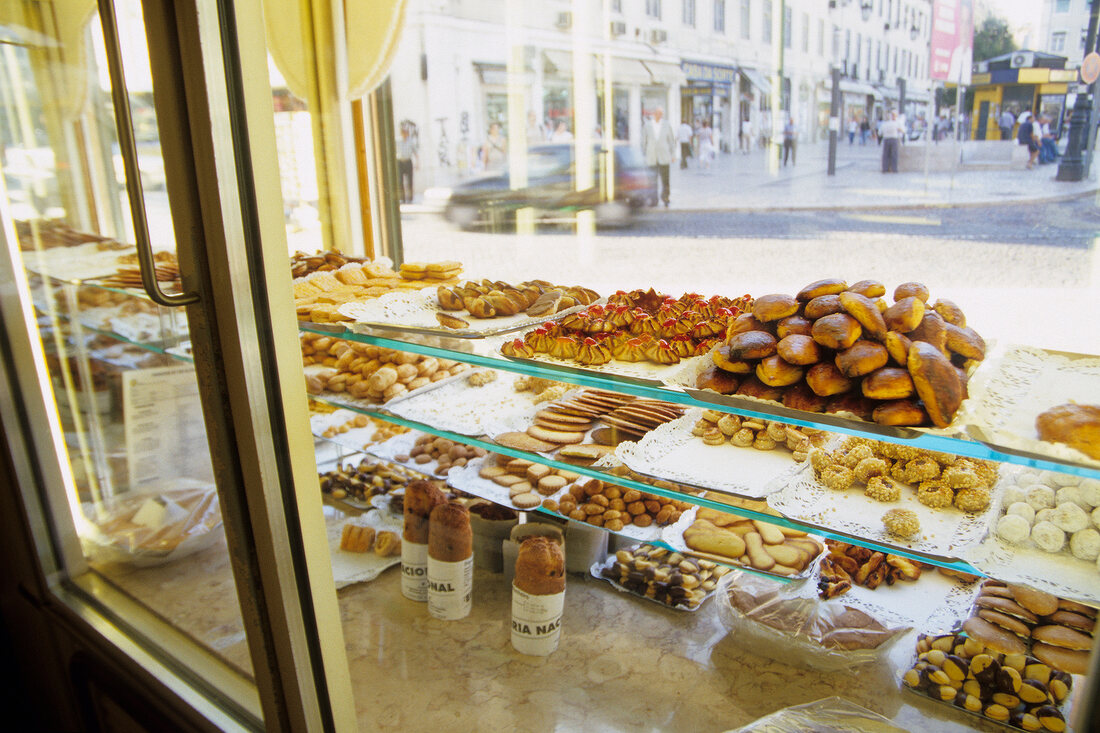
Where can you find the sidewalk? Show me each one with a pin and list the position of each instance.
(736, 181)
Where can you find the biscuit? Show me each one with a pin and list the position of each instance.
(524, 441)
(994, 637)
(551, 484)
(1064, 637)
(528, 500)
(1067, 660)
(562, 417)
(1036, 601)
(555, 436)
(1004, 605)
(1015, 625)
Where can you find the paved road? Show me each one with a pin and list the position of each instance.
(1072, 224)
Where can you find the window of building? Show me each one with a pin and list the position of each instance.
(767, 21)
(820, 36)
(746, 19)
(836, 43)
(1061, 6)
(688, 13)
(720, 16)
(847, 43)
(616, 6)
(653, 8)
(787, 23)
(1058, 42)
(805, 33)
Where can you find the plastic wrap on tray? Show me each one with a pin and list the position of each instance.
(788, 622)
(827, 715)
(151, 528)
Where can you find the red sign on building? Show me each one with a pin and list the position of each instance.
(952, 40)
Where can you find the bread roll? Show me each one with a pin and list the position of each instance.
(801, 397)
(866, 312)
(899, 413)
(742, 323)
(869, 288)
(775, 372)
(774, 307)
(836, 330)
(1078, 426)
(420, 498)
(862, 357)
(897, 344)
(911, 290)
(799, 349)
(830, 286)
(931, 330)
(852, 402)
(888, 383)
(540, 567)
(753, 387)
(751, 345)
(950, 312)
(719, 380)
(826, 380)
(793, 325)
(722, 359)
(449, 536)
(904, 315)
(964, 341)
(822, 305)
(936, 381)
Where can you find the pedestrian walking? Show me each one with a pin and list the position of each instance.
(659, 145)
(789, 136)
(684, 135)
(853, 128)
(536, 131)
(1006, 121)
(744, 135)
(1028, 134)
(864, 130)
(1048, 147)
(706, 145)
(561, 133)
(407, 161)
(891, 134)
(494, 154)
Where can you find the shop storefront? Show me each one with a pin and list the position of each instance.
(709, 95)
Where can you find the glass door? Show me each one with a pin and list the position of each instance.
(159, 446)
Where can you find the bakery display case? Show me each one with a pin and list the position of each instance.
(367, 473)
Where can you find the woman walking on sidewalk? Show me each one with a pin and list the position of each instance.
(891, 133)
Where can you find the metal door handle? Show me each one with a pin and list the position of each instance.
(128, 149)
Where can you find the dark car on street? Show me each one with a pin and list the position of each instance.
(551, 189)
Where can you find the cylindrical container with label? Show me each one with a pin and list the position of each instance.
(420, 498)
(536, 622)
(450, 562)
(450, 588)
(538, 596)
(414, 571)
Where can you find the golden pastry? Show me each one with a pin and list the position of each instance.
(775, 372)
(904, 315)
(836, 330)
(936, 382)
(899, 413)
(751, 345)
(862, 357)
(826, 380)
(829, 286)
(911, 290)
(799, 349)
(1077, 426)
(869, 288)
(931, 330)
(774, 307)
(793, 325)
(888, 383)
(866, 312)
(822, 306)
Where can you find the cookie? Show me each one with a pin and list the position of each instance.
(491, 472)
(1063, 637)
(524, 441)
(1073, 620)
(1067, 660)
(1036, 601)
(555, 437)
(586, 450)
(537, 471)
(1005, 605)
(564, 427)
(605, 436)
(1015, 625)
(994, 637)
(551, 485)
(506, 479)
(518, 466)
(563, 417)
(528, 500)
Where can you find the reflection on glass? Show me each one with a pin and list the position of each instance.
(141, 490)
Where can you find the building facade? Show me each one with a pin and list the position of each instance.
(1064, 29)
(583, 70)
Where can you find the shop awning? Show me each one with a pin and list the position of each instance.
(887, 92)
(491, 73)
(758, 80)
(849, 86)
(626, 71)
(558, 62)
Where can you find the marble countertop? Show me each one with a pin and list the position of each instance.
(623, 663)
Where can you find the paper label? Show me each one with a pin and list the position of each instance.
(536, 622)
(414, 571)
(450, 588)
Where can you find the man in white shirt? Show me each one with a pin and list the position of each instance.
(683, 136)
(659, 146)
(891, 133)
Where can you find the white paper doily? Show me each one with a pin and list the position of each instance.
(1007, 395)
(1059, 573)
(359, 567)
(646, 371)
(458, 407)
(944, 532)
(672, 453)
(82, 262)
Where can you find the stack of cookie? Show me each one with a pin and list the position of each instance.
(431, 270)
(1017, 619)
(527, 482)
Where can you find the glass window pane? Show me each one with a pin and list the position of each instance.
(139, 491)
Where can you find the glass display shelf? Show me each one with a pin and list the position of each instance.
(684, 494)
(483, 353)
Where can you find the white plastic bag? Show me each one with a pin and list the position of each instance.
(828, 715)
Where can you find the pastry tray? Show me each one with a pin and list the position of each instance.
(670, 452)
(458, 407)
(466, 479)
(642, 373)
(1059, 573)
(359, 567)
(944, 532)
(1020, 383)
(415, 312)
(673, 537)
(343, 399)
(594, 571)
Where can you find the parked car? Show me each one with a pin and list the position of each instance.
(551, 189)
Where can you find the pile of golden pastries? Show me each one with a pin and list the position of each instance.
(370, 372)
(331, 279)
(633, 327)
(719, 428)
(835, 347)
(493, 298)
(846, 565)
(887, 469)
